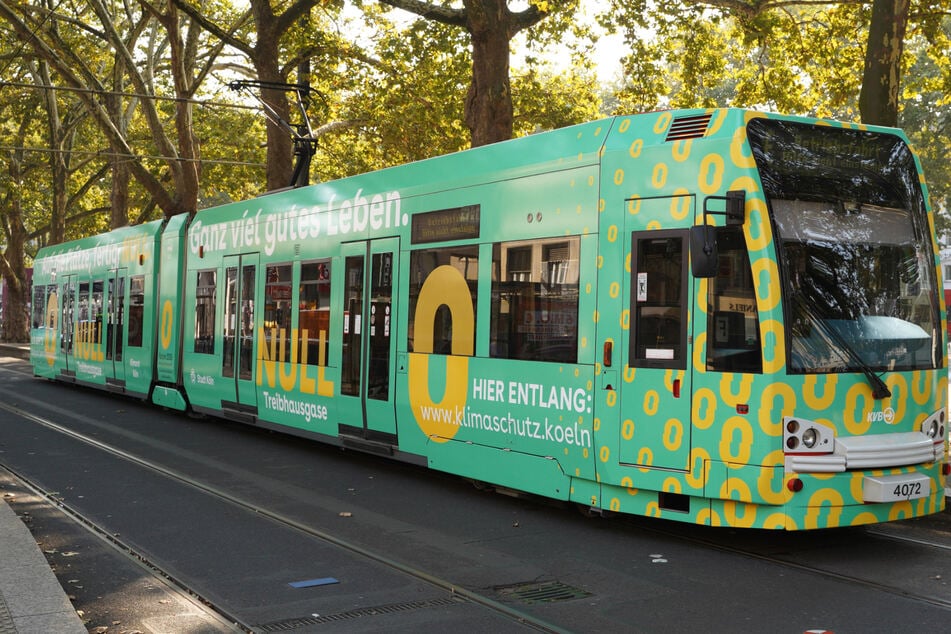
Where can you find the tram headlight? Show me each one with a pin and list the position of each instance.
(933, 427)
(807, 436)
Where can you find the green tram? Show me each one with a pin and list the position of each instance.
(722, 317)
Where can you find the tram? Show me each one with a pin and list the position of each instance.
(723, 317)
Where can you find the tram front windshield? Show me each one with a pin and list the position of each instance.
(854, 248)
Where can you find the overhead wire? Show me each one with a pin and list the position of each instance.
(93, 91)
(131, 157)
(120, 155)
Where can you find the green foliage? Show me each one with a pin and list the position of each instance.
(926, 113)
(232, 151)
(546, 100)
(796, 58)
(403, 87)
(389, 89)
(25, 140)
(402, 98)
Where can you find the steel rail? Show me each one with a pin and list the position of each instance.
(903, 538)
(806, 568)
(454, 589)
(155, 571)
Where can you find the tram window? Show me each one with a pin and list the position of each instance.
(535, 300)
(378, 321)
(246, 333)
(52, 304)
(314, 319)
(447, 337)
(83, 307)
(230, 321)
(733, 341)
(277, 311)
(205, 305)
(658, 307)
(351, 368)
(39, 305)
(82, 315)
(136, 310)
(115, 307)
(95, 312)
(69, 306)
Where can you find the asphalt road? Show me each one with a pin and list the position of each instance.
(619, 575)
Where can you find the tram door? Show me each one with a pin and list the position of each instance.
(238, 352)
(67, 327)
(115, 320)
(655, 404)
(367, 404)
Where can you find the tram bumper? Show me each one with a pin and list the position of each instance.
(852, 480)
(812, 447)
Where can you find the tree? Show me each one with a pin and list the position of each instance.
(879, 99)
(491, 27)
(12, 260)
(801, 58)
(35, 182)
(795, 55)
(402, 92)
(400, 95)
(272, 65)
(39, 27)
(926, 116)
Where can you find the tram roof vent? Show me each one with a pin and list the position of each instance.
(692, 127)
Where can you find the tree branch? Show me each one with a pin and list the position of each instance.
(446, 15)
(226, 36)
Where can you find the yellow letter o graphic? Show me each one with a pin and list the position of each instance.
(673, 434)
(52, 326)
(711, 173)
(443, 286)
(167, 316)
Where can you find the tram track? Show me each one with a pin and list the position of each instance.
(795, 555)
(454, 590)
(129, 553)
(846, 578)
(724, 547)
(908, 540)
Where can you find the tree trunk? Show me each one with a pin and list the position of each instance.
(266, 59)
(119, 195)
(881, 81)
(121, 174)
(59, 157)
(280, 147)
(491, 26)
(489, 101)
(187, 184)
(15, 316)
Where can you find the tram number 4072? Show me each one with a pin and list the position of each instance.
(907, 490)
(894, 488)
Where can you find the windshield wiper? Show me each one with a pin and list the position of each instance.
(879, 389)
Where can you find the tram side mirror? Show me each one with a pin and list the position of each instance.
(704, 258)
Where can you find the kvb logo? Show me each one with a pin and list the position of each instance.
(886, 416)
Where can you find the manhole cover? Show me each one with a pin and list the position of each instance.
(546, 592)
(288, 625)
